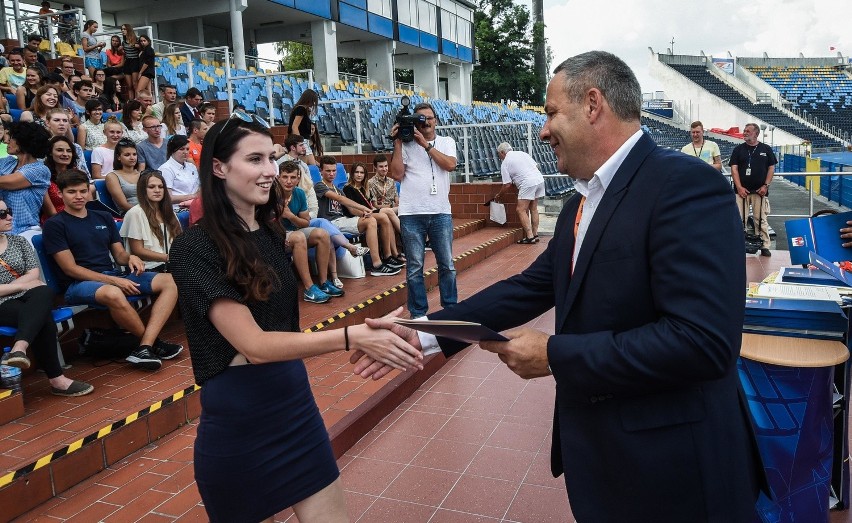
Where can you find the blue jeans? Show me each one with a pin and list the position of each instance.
(439, 228)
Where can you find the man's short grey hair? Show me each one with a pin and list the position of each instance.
(609, 74)
(504, 148)
(756, 127)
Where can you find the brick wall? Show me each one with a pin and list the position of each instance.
(467, 200)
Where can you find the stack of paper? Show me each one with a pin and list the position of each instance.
(808, 277)
(822, 319)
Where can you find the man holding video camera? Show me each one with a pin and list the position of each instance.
(422, 162)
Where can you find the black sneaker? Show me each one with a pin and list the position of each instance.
(165, 350)
(394, 262)
(143, 358)
(384, 270)
(765, 252)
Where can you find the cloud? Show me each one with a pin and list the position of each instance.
(628, 28)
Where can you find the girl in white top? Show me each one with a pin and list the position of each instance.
(132, 120)
(150, 227)
(172, 121)
(104, 155)
(90, 133)
(181, 176)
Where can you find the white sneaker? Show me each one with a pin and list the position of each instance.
(337, 283)
(361, 250)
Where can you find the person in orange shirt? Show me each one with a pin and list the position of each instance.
(197, 129)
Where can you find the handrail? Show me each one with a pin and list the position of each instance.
(810, 189)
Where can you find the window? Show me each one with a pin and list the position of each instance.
(381, 7)
(427, 16)
(407, 12)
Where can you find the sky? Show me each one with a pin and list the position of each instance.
(781, 28)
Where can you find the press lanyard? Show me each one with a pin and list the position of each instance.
(698, 154)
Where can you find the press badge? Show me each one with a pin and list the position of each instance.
(748, 171)
(434, 189)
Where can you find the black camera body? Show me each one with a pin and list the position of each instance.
(407, 121)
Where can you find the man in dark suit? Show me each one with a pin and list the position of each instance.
(189, 108)
(647, 274)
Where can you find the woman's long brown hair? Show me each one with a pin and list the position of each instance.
(163, 207)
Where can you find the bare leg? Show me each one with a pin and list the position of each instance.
(534, 216)
(522, 208)
(326, 506)
(319, 240)
(394, 219)
(299, 250)
(122, 313)
(165, 289)
(386, 233)
(367, 226)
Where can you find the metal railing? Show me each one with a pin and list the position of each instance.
(466, 145)
(809, 187)
(359, 144)
(269, 98)
(49, 26)
(191, 75)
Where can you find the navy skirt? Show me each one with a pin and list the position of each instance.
(261, 445)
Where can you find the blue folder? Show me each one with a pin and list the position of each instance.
(821, 235)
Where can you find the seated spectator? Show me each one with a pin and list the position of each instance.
(90, 133)
(27, 92)
(197, 131)
(349, 216)
(26, 303)
(98, 82)
(121, 181)
(301, 236)
(59, 124)
(34, 44)
(114, 58)
(61, 157)
(381, 189)
(68, 72)
(75, 101)
(81, 241)
(113, 98)
(181, 176)
(91, 47)
(14, 75)
(104, 155)
(153, 151)
(356, 190)
(146, 100)
(31, 60)
(146, 66)
(189, 108)
(131, 118)
(173, 122)
(168, 95)
(208, 112)
(23, 178)
(151, 226)
(47, 98)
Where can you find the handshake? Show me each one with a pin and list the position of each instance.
(388, 345)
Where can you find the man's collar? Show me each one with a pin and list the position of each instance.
(606, 172)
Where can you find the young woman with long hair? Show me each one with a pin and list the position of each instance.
(146, 65)
(121, 181)
(61, 157)
(26, 303)
(315, 143)
(113, 97)
(91, 47)
(130, 44)
(300, 120)
(47, 97)
(90, 133)
(115, 58)
(240, 305)
(103, 156)
(172, 121)
(98, 81)
(131, 119)
(27, 92)
(356, 190)
(151, 226)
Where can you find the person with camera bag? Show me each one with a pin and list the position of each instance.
(422, 162)
(752, 167)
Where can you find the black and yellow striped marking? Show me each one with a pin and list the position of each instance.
(5, 393)
(352, 310)
(94, 436)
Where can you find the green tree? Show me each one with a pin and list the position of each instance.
(506, 39)
(295, 55)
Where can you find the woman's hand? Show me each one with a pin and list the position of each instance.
(385, 347)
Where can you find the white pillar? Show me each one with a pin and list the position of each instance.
(92, 10)
(467, 83)
(237, 7)
(324, 42)
(426, 73)
(380, 64)
(455, 83)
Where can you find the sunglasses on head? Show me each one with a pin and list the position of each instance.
(125, 142)
(5, 213)
(247, 118)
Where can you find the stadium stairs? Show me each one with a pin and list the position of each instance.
(49, 444)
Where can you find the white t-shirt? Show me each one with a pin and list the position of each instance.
(180, 179)
(136, 226)
(103, 157)
(420, 170)
(519, 168)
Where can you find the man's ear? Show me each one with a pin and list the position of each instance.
(219, 168)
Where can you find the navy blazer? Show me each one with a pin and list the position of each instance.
(187, 114)
(650, 423)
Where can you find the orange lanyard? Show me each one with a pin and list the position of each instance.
(576, 228)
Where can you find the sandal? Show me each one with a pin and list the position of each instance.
(526, 241)
(535, 238)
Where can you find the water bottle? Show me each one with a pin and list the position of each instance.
(10, 376)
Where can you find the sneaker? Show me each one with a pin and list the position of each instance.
(384, 270)
(393, 262)
(315, 295)
(361, 251)
(165, 350)
(77, 388)
(16, 359)
(337, 283)
(143, 358)
(332, 290)
(765, 252)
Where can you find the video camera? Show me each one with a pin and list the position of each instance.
(407, 121)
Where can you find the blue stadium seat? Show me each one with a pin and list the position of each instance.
(87, 155)
(315, 173)
(103, 194)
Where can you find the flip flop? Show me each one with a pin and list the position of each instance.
(526, 241)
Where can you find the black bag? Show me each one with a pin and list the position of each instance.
(753, 241)
(107, 344)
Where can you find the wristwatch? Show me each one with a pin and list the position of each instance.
(429, 147)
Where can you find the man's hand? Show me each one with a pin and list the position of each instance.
(525, 353)
(762, 191)
(418, 137)
(846, 233)
(365, 366)
(394, 130)
(137, 266)
(129, 288)
(742, 192)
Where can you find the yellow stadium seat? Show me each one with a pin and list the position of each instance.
(44, 46)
